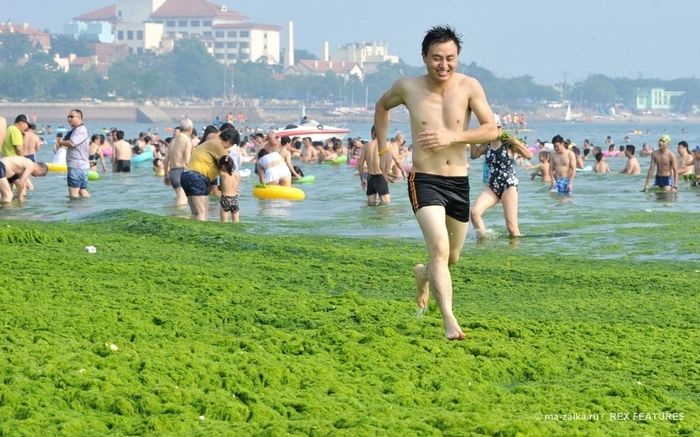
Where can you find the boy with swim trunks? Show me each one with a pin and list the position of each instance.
(667, 167)
(563, 169)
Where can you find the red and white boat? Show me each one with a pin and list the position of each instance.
(313, 129)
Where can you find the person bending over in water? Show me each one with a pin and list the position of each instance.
(16, 170)
(440, 104)
(502, 185)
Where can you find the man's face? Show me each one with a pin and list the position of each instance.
(663, 145)
(74, 119)
(559, 147)
(442, 60)
(273, 140)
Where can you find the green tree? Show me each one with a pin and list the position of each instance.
(195, 71)
(599, 90)
(64, 45)
(14, 47)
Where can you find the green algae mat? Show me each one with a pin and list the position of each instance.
(180, 328)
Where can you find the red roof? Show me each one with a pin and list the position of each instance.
(35, 36)
(195, 8)
(108, 13)
(170, 9)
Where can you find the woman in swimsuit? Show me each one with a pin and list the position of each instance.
(95, 153)
(502, 184)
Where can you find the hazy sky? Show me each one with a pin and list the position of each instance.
(542, 38)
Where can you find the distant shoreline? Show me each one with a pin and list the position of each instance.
(130, 112)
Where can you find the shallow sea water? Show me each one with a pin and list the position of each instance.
(335, 204)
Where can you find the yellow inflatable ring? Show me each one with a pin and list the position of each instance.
(278, 192)
(57, 166)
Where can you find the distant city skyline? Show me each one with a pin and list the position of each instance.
(545, 39)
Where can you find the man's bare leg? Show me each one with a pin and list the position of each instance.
(420, 271)
(180, 197)
(444, 237)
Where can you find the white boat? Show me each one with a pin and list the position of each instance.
(313, 129)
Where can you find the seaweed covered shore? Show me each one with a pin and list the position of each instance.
(177, 327)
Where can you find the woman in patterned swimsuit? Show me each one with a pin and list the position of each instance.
(502, 185)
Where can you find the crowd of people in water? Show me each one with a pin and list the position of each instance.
(276, 161)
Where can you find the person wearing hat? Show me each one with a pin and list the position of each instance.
(666, 165)
(13, 145)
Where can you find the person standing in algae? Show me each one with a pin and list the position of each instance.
(440, 103)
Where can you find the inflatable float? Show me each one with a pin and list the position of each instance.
(278, 192)
(143, 157)
(245, 172)
(337, 161)
(308, 179)
(93, 176)
(57, 166)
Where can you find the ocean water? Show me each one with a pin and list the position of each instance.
(336, 205)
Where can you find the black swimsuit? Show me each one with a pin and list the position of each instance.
(501, 168)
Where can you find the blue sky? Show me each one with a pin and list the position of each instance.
(541, 38)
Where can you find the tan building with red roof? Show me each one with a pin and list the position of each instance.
(148, 25)
(37, 37)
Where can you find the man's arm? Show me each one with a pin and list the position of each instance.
(650, 173)
(361, 166)
(674, 170)
(389, 100)
(21, 183)
(553, 182)
(627, 169)
(572, 167)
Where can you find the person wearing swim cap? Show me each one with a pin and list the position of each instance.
(666, 165)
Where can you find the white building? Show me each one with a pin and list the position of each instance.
(148, 24)
(367, 56)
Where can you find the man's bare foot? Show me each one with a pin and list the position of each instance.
(422, 290)
(453, 331)
(459, 335)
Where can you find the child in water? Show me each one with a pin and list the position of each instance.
(542, 170)
(158, 168)
(229, 189)
(601, 166)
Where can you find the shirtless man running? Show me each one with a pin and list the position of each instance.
(176, 160)
(563, 169)
(440, 104)
(665, 160)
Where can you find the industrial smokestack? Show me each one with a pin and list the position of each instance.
(326, 57)
(289, 55)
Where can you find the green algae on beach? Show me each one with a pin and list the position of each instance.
(181, 327)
